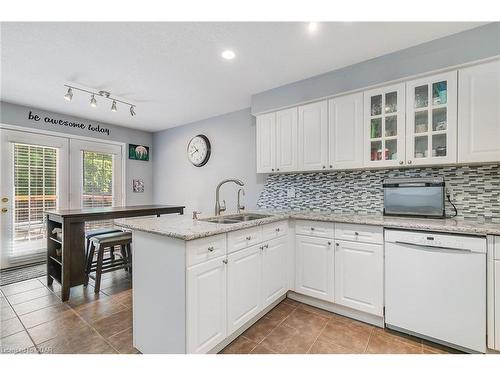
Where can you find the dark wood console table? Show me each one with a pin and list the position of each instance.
(69, 268)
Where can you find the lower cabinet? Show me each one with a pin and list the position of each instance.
(206, 305)
(359, 279)
(314, 274)
(244, 285)
(274, 270)
(497, 302)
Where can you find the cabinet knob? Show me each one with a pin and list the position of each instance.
(4, 210)
(224, 261)
(337, 244)
(249, 238)
(277, 169)
(272, 169)
(5, 200)
(324, 166)
(409, 161)
(329, 243)
(401, 162)
(331, 166)
(312, 228)
(266, 246)
(277, 229)
(356, 233)
(211, 248)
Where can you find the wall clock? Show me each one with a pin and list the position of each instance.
(198, 150)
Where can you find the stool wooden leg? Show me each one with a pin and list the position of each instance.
(129, 257)
(88, 266)
(123, 251)
(98, 272)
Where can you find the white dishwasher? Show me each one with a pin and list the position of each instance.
(435, 287)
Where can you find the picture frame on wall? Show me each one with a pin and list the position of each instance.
(138, 152)
(138, 186)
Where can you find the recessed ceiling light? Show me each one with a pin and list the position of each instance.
(312, 27)
(228, 54)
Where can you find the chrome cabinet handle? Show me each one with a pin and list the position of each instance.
(224, 261)
(324, 166)
(211, 248)
(277, 169)
(272, 169)
(329, 243)
(277, 229)
(331, 166)
(409, 161)
(401, 162)
(249, 238)
(356, 233)
(4, 210)
(266, 246)
(312, 228)
(337, 244)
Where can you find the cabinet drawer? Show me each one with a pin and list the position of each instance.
(243, 238)
(274, 230)
(314, 228)
(359, 233)
(204, 249)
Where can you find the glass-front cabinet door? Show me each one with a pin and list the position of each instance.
(431, 126)
(384, 127)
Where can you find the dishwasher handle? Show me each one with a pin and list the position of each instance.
(437, 248)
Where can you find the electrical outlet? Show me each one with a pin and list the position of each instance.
(449, 192)
(290, 192)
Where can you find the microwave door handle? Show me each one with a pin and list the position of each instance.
(435, 248)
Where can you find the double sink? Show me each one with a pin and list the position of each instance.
(233, 219)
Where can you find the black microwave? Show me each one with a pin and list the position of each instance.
(416, 197)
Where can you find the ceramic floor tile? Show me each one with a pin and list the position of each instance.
(15, 343)
(99, 309)
(241, 345)
(306, 322)
(113, 324)
(289, 340)
(261, 349)
(291, 302)
(91, 343)
(20, 287)
(260, 329)
(117, 288)
(385, 344)
(315, 310)
(325, 346)
(28, 295)
(10, 326)
(44, 315)
(36, 304)
(347, 335)
(125, 298)
(7, 313)
(70, 325)
(123, 342)
(280, 312)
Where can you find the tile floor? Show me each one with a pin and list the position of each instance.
(34, 320)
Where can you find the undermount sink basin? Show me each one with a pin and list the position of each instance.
(232, 219)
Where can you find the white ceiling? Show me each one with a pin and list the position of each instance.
(174, 72)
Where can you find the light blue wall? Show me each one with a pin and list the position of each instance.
(475, 44)
(13, 114)
(232, 137)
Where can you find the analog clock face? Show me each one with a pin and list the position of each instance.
(198, 150)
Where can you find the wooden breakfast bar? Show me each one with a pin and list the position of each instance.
(66, 254)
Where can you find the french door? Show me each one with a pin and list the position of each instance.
(34, 178)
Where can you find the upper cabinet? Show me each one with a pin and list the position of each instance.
(431, 126)
(345, 130)
(384, 126)
(266, 138)
(286, 140)
(479, 113)
(313, 136)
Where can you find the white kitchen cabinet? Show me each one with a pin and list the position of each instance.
(384, 126)
(274, 270)
(266, 143)
(244, 284)
(345, 132)
(431, 125)
(497, 301)
(359, 279)
(206, 305)
(313, 136)
(286, 140)
(479, 113)
(314, 267)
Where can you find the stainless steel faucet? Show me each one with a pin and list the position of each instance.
(218, 207)
(240, 207)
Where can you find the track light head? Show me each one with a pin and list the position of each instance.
(113, 106)
(69, 95)
(93, 102)
(132, 112)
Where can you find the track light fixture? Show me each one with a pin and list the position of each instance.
(93, 102)
(69, 95)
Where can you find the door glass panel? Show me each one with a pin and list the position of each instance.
(421, 119)
(376, 128)
(421, 147)
(421, 96)
(376, 105)
(376, 150)
(391, 126)
(439, 145)
(439, 93)
(35, 184)
(391, 149)
(439, 119)
(391, 102)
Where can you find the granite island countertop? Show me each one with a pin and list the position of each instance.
(185, 228)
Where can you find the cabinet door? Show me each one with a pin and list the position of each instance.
(274, 275)
(313, 136)
(266, 143)
(206, 305)
(286, 140)
(244, 285)
(497, 304)
(479, 113)
(431, 127)
(359, 277)
(314, 267)
(384, 126)
(345, 132)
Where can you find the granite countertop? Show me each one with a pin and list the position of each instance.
(185, 228)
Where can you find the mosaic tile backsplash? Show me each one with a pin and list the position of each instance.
(476, 190)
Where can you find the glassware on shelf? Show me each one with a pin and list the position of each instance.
(391, 102)
(440, 93)
(421, 96)
(376, 128)
(391, 126)
(376, 105)
(421, 147)
(421, 120)
(439, 122)
(376, 151)
(439, 145)
(391, 149)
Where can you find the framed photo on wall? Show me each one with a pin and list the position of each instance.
(138, 152)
